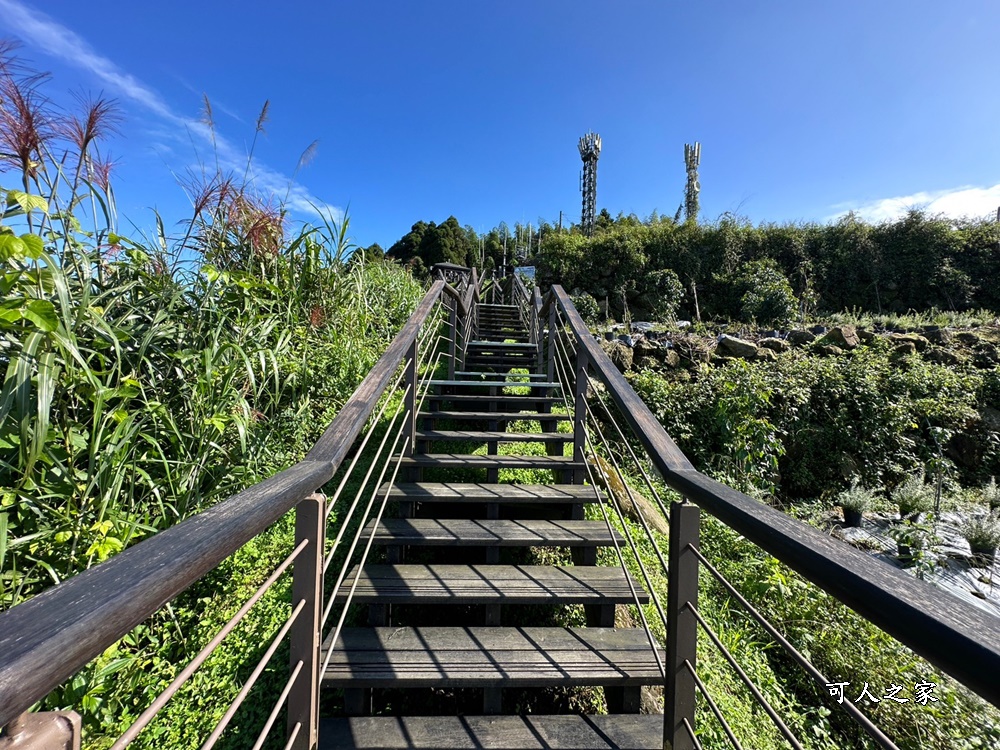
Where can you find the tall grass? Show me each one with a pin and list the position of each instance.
(145, 379)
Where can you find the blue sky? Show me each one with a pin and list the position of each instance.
(473, 108)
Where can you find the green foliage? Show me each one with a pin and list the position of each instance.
(587, 307)
(824, 419)
(856, 498)
(662, 294)
(913, 496)
(982, 531)
(990, 494)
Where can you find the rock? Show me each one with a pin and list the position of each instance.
(969, 338)
(942, 357)
(774, 344)
(845, 337)
(829, 350)
(985, 357)
(903, 349)
(964, 450)
(632, 502)
(918, 342)
(595, 389)
(767, 355)
(990, 417)
(866, 336)
(620, 355)
(734, 347)
(671, 358)
(801, 338)
(939, 336)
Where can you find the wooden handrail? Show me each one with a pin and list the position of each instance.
(51, 636)
(956, 636)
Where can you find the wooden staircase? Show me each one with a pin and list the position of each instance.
(458, 604)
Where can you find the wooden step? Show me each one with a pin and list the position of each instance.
(404, 657)
(508, 399)
(492, 584)
(569, 732)
(465, 461)
(494, 383)
(503, 335)
(494, 436)
(499, 416)
(473, 375)
(432, 532)
(495, 345)
(476, 492)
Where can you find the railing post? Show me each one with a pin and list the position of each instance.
(551, 344)
(682, 628)
(580, 414)
(410, 423)
(304, 635)
(45, 730)
(453, 344)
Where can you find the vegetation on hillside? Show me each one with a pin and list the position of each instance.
(731, 269)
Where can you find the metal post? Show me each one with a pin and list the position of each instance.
(307, 585)
(453, 328)
(410, 424)
(682, 627)
(551, 344)
(45, 730)
(580, 414)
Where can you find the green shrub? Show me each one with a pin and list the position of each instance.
(913, 496)
(856, 498)
(587, 307)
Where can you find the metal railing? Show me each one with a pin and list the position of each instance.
(953, 635)
(48, 639)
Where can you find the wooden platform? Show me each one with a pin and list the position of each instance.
(431, 532)
(571, 732)
(450, 492)
(404, 657)
(493, 584)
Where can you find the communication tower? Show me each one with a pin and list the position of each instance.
(590, 150)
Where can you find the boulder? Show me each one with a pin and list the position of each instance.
(969, 338)
(829, 350)
(939, 336)
(942, 357)
(866, 336)
(801, 338)
(846, 337)
(990, 417)
(964, 450)
(632, 502)
(767, 355)
(734, 347)
(620, 355)
(774, 344)
(918, 342)
(903, 349)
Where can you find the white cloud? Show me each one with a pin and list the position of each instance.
(968, 201)
(55, 39)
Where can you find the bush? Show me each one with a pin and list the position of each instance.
(587, 307)
(661, 295)
(913, 496)
(767, 297)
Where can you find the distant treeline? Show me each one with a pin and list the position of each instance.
(659, 267)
